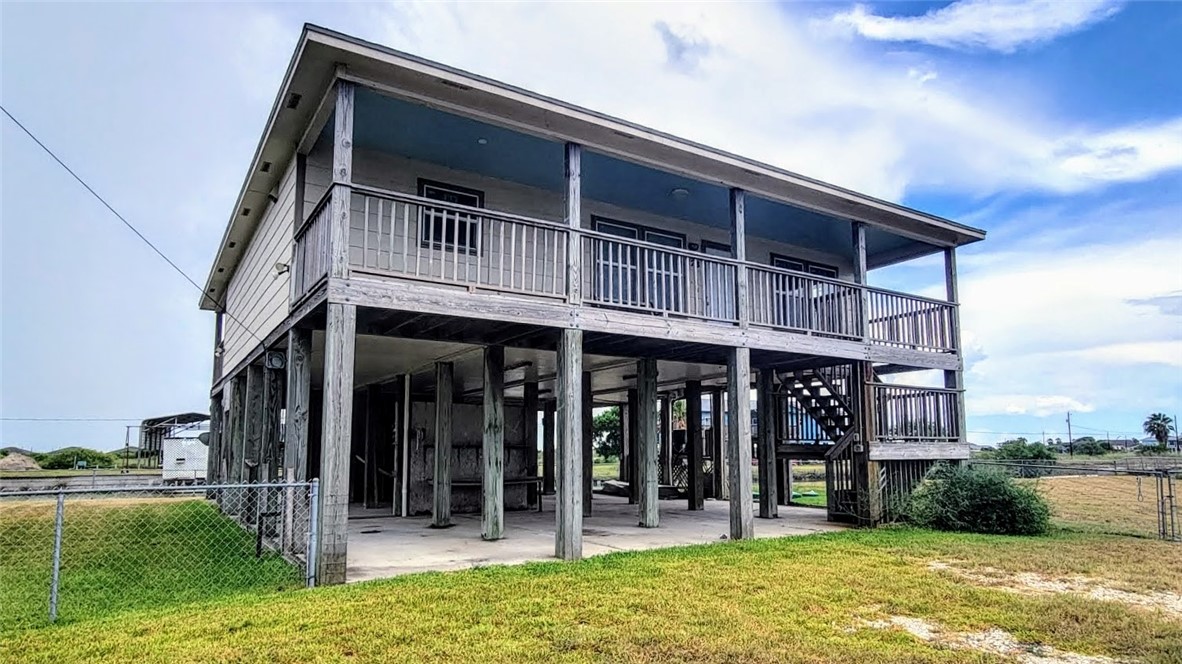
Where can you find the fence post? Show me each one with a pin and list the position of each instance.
(313, 531)
(57, 555)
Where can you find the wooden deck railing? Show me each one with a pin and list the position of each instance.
(413, 237)
(310, 255)
(905, 413)
(435, 241)
(910, 321)
(803, 302)
(625, 273)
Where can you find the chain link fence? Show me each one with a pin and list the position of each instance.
(72, 554)
(1092, 498)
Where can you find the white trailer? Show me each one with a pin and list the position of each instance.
(183, 460)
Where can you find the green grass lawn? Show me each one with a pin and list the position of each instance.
(801, 599)
(120, 555)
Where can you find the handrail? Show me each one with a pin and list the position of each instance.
(921, 298)
(644, 244)
(456, 207)
(307, 222)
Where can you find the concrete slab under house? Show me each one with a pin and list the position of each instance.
(431, 280)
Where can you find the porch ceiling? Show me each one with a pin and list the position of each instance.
(387, 124)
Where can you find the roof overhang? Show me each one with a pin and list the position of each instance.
(322, 55)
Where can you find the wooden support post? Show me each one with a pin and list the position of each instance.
(739, 252)
(441, 491)
(299, 398)
(693, 441)
(375, 439)
(765, 396)
(253, 441)
(648, 443)
(718, 447)
(269, 461)
(214, 454)
(859, 244)
(568, 539)
(548, 425)
(666, 438)
(633, 443)
(492, 513)
(588, 453)
(572, 198)
(342, 174)
(336, 431)
(954, 379)
(866, 482)
(235, 444)
(218, 347)
(738, 386)
(784, 481)
(622, 467)
(530, 433)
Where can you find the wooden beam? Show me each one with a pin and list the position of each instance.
(342, 173)
(232, 464)
(270, 463)
(738, 386)
(666, 438)
(441, 487)
(253, 439)
(492, 513)
(739, 252)
(765, 403)
(572, 199)
(568, 538)
(859, 245)
(717, 450)
(648, 443)
(954, 378)
(919, 451)
(529, 404)
(216, 440)
(375, 438)
(588, 451)
(299, 398)
(548, 412)
(633, 444)
(336, 433)
(693, 440)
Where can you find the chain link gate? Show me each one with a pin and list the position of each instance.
(75, 553)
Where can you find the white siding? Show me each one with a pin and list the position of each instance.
(397, 173)
(256, 296)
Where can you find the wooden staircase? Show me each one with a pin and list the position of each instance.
(821, 400)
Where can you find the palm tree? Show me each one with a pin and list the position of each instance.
(1159, 426)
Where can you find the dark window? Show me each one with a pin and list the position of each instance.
(798, 265)
(447, 229)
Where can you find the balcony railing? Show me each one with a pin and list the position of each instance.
(455, 244)
(904, 413)
(310, 253)
(804, 302)
(413, 237)
(618, 272)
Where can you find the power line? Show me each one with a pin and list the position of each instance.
(126, 222)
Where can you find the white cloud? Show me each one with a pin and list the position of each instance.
(981, 24)
(758, 80)
(1038, 405)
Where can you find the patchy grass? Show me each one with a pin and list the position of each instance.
(124, 554)
(605, 470)
(812, 501)
(801, 599)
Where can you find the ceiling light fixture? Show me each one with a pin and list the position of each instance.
(680, 193)
(482, 141)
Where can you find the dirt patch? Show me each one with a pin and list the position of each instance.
(1028, 582)
(18, 461)
(991, 641)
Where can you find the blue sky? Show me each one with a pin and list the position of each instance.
(1056, 126)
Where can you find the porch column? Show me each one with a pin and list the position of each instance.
(568, 539)
(717, 448)
(622, 469)
(693, 442)
(633, 444)
(739, 252)
(214, 452)
(492, 513)
(666, 474)
(765, 395)
(253, 440)
(646, 387)
(342, 174)
(588, 452)
(738, 385)
(572, 198)
(299, 398)
(954, 378)
(273, 378)
(859, 242)
(530, 432)
(232, 469)
(865, 471)
(548, 411)
(441, 493)
(374, 438)
(337, 427)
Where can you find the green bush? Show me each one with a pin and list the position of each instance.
(66, 458)
(1020, 449)
(967, 499)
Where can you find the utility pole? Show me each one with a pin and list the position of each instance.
(1070, 440)
(1177, 440)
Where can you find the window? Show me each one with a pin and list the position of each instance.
(447, 229)
(798, 265)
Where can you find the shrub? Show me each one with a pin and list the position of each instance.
(66, 458)
(1021, 450)
(967, 499)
